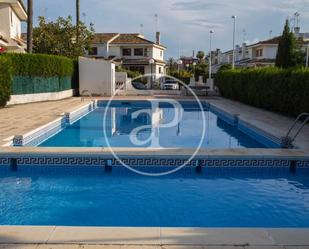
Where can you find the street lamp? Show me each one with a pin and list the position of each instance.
(210, 47)
(307, 58)
(234, 29)
(179, 62)
(151, 62)
(194, 64)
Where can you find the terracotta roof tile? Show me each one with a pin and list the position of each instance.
(272, 41)
(131, 39)
(103, 37)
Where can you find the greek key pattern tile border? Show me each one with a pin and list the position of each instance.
(148, 161)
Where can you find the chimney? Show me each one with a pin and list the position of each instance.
(158, 36)
(244, 50)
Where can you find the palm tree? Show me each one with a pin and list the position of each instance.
(30, 26)
(77, 18)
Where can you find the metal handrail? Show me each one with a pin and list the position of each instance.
(287, 140)
(85, 93)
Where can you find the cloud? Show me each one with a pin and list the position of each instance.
(204, 23)
(185, 24)
(194, 5)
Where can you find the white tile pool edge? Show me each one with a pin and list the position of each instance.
(153, 236)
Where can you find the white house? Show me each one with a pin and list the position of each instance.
(12, 13)
(132, 51)
(262, 53)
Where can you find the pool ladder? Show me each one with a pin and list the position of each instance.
(288, 140)
(86, 93)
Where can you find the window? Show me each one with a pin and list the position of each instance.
(259, 53)
(160, 70)
(11, 12)
(126, 52)
(146, 53)
(93, 51)
(161, 53)
(138, 52)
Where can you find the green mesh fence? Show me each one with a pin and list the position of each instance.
(29, 85)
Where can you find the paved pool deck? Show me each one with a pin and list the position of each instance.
(154, 238)
(20, 119)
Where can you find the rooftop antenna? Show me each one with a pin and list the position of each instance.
(270, 34)
(85, 17)
(292, 23)
(142, 28)
(296, 19)
(157, 22)
(244, 33)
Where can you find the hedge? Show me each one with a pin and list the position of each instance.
(280, 90)
(38, 73)
(41, 65)
(5, 80)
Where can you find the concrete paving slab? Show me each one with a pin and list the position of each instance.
(24, 234)
(293, 237)
(108, 236)
(17, 246)
(172, 236)
(58, 247)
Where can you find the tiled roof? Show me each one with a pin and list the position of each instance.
(23, 36)
(139, 61)
(103, 37)
(265, 60)
(272, 41)
(131, 39)
(3, 39)
(115, 38)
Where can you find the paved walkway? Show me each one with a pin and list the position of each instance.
(20, 119)
(27, 246)
(274, 123)
(54, 237)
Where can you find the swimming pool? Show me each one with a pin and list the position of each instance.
(215, 197)
(115, 124)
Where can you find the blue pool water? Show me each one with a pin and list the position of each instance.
(219, 197)
(120, 125)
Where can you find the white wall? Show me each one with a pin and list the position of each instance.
(15, 25)
(96, 76)
(270, 52)
(38, 97)
(114, 51)
(5, 20)
(155, 53)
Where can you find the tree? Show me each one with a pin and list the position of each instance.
(201, 69)
(200, 55)
(287, 55)
(59, 37)
(172, 64)
(30, 26)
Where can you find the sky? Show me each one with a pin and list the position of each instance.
(184, 24)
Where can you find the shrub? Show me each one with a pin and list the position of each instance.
(5, 80)
(41, 65)
(280, 90)
(38, 73)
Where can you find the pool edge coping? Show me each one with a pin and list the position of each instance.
(154, 236)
